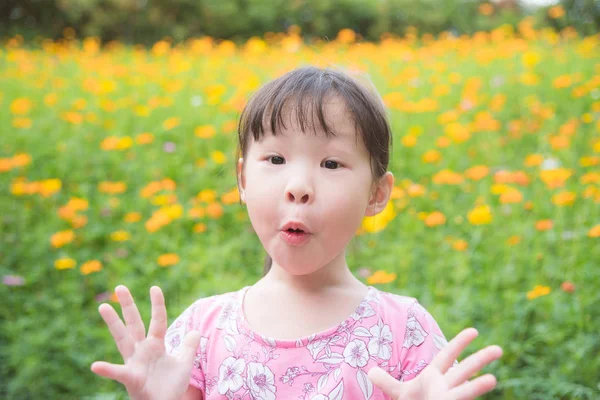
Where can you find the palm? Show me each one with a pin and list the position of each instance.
(148, 372)
(440, 382)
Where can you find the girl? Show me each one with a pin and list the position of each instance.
(314, 148)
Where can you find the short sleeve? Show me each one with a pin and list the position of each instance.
(423, 340)
(183, 324)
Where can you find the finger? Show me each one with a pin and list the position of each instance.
(474, 388)
(131, 315)
(445, 358)
(189, 349)
(158, 323)
(384, 381)
(471, 365)
(117, 330)
(111, 371)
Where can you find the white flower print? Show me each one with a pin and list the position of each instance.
(363, 311)
(380, 343)
(230, 374)
(317, 346)
(415, 334)
(261, 381)
(356, 354)
(336, 394)
(228, 318)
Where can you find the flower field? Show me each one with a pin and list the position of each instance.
(117, 167)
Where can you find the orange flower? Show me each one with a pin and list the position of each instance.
(460, 245)
(144, 138)
(91, 266)
(381, 277)
(556, 12)
(486, 9)
(567, 287)
(514, 240)
(62, 238)
(346, 36)
(434, 219)
(511, 196)
(214, 210)
(594, 231)
(199, 227)
(447, 177)
(168, 259)
(544, 225)
(432, 156)
(132, 217)
(477, 172)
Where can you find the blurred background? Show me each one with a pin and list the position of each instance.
(118, 134)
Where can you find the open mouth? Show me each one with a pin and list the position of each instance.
(295, 230)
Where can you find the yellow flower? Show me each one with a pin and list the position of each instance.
(219, 157)
(207, 196)
(171, 123)
(480, 215)
(378, 222)
(409, 140)
(20, 106)
(533, 160)
(91, 266)
(120, 236)
(564, 198)
(133, 217)
(432, 156)
(538, 291)
(64, 263)
(205, 131)
(168, 259)
(22, 123)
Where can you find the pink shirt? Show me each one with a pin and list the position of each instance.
(233, 362)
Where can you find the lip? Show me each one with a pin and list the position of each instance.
(295, 239)
(295, 225)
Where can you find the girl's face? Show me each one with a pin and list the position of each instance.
(323, 183)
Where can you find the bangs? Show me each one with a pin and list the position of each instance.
(303, 103)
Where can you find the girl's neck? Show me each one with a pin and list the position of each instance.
(335, 275)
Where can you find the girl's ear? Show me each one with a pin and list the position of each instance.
(380, 195)
(241, 179)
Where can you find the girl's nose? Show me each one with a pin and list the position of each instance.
(298, 197)
(299, 192)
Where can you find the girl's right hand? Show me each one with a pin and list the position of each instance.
(148, 372)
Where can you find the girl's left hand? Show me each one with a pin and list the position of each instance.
(440, 382)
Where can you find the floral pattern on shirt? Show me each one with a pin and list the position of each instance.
(234, 362)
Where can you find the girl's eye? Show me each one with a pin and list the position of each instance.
(333, 164)
(277, 158)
